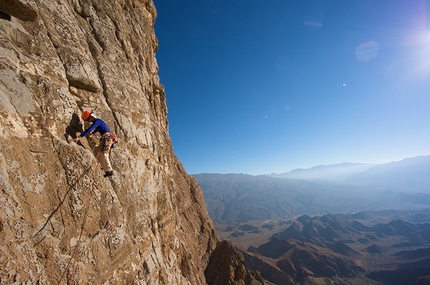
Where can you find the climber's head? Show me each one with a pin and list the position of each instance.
(86, 115)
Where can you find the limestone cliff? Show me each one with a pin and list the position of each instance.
(60, 220)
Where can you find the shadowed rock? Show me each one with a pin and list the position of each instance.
(20, 9)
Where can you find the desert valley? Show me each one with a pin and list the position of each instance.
(365, 224)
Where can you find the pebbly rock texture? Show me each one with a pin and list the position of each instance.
(60, 220)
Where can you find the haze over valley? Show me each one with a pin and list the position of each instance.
(358, 215)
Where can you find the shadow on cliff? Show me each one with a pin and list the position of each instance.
(73, 128)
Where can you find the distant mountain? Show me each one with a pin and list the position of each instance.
(410, 174)
(240, 197)
(336, 172)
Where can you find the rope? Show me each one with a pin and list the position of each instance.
(75, 257)
(61, 203)
(87, 206)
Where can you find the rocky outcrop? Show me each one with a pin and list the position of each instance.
(229, 261)
(60, 220)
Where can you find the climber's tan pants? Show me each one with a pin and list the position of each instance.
(103, 158)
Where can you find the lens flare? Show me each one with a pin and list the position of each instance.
(367, 51)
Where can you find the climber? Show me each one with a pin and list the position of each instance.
(102, 151)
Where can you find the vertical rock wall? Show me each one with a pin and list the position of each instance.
(145, 225)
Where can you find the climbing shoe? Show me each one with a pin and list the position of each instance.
(108, 173)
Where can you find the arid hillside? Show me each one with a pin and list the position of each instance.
(344, 250)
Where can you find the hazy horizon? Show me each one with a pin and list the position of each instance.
(312, 167)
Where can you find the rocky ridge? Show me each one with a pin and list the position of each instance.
(338, 249)
(60, 220)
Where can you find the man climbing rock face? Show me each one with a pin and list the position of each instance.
(102, 151)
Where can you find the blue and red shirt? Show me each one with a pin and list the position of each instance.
(98, 126)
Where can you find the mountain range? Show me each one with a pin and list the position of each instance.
(409, 174)
(241, 197)
(335, 172)
(347, 223)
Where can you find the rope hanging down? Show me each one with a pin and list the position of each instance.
(59, 205)
(87, 206)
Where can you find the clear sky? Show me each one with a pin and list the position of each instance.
(267, 86)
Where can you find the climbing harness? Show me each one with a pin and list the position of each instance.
(108, 141)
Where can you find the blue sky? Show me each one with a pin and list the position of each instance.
(268, 86)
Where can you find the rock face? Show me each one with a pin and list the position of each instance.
(60, 220)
